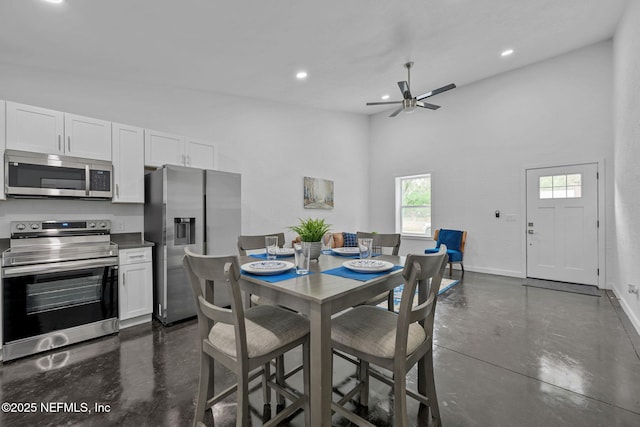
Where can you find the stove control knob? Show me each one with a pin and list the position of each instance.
(92, 225)
(103, 225)
(21, 227)
(35, 226)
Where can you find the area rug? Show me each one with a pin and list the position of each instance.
(573, 288)
(445, 285)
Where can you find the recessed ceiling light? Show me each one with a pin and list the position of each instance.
(507, 52)
(385, 96)
(301, 75)
(54, 1)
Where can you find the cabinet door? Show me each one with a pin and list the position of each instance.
(34, 129)
(127, 146)
(135, 297)
(2, 147)
(199, 154)
(163, 148)
(87, 137)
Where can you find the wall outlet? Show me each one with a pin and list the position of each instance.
(633, 289)
(119, 226)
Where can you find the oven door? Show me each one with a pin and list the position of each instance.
(43, 298)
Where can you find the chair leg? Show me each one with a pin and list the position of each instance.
(451, 269)
(266, 392)
(280, 381)
(203, 388)
(390, 304)
(431, 387)
(462, 266)
(306, 378)
(243, 419)
(400, 398)
(363, 378)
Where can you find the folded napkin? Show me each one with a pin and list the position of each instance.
(264, 256)
(273, 278)
(363, 277)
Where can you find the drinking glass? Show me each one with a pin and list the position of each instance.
(365, 246)
(327, 243)
(271, 246)
(302, 253)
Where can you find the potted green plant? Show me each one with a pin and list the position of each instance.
(311, 230)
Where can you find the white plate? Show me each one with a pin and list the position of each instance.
(347, 251)
(284, 252)
(368, 265)
(266, 268)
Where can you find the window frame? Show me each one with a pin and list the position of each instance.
(398, 205)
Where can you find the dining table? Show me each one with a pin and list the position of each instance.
(326, 290)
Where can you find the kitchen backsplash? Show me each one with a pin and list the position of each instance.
(125, 218)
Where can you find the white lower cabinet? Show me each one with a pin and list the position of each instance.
(135, 282)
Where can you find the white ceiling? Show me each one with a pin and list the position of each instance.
(353, 50)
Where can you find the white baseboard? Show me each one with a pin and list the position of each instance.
(496, 271)
(135, 321)
(628, 311)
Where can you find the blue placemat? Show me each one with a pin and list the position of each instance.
(291, 274)
(356, 256)
(363, 277)
(264, 256)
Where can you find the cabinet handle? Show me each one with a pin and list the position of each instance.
(117, 190)
(69, 143)
(124, 279)
(136, 256)
(59, 142)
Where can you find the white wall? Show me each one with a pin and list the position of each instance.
(483, 138)
(626, 251)
(272, 145)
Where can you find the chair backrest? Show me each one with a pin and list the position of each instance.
(453, 239)
(383, 240)
(426, 272)
(205, 272)
(247, 243)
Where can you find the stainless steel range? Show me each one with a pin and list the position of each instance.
(59, 285)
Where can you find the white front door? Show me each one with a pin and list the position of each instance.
(562, 223)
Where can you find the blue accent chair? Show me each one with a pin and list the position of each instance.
(454, 240)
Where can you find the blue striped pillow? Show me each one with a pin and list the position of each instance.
(350, 240)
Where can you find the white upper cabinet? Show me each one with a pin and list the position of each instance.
(87, 137)
(162, 148)
(34, 129)
(199, 154)
(128, 163)
(2, 147)
(47, 131)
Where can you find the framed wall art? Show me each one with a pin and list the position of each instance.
(318, 193)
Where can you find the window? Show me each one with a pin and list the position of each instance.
(560, 186)
(413, 205)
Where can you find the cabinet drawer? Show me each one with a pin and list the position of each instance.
(134, 256)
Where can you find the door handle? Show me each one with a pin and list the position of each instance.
(530, 231)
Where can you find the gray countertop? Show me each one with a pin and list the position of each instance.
(130, 241)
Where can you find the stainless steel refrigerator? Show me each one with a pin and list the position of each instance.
(188, 208)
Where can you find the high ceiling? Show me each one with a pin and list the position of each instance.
(353, 50)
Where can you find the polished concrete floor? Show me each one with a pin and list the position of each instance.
(505, 355)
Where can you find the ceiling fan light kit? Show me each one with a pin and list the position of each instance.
(410, 103)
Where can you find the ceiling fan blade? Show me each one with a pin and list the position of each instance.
(427, 105)
(384, 103)
(436, 91)
(395, 113)
(404, 88)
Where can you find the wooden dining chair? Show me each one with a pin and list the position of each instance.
(380, 242)
(395, 341)
(247, 243)
(244, 341)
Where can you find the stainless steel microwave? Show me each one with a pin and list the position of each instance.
(49, 175)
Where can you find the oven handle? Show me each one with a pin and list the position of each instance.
(58, 266)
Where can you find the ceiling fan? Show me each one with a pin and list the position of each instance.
(409, 103)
